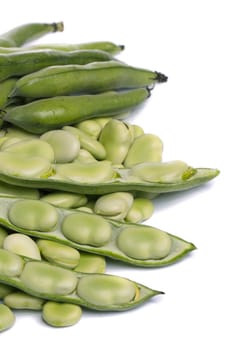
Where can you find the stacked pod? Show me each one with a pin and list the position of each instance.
(78, 179)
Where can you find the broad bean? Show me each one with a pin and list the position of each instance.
(93, 233)
(22, 301)
(52, 113)
(61, 314)
(28, 32)
(94, 77)
(7, 318)
(21, 244)
(94, 291)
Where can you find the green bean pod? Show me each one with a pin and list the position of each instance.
(6, 88)
(90, 78)
(22, 63)
(101, 292)
(52, 113)
(26, 33)
(134, 244)
(106, 46)
(98, 178)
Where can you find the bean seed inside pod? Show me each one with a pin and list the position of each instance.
(106, 290)
(33, 215)
(144, 242)
(86, 228)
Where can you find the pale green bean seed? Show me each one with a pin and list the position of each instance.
(21, 244)
(144, 243)
(58, 253)
(7, 318)
(102, 121)
(44, 278)
(11, 265)
(169, 172)
(116, 138)
(5, 290)
(33, 215)
(85, 157)
(32, 148)
(66, 200)
(87, 142)
(3, 235)
(28, 167)
(114, 205)
(90, 127)
(137, 130)
(65, 145)
(145, 148)
(21, 301)
(94, 172)
(6, 141)
(91, 263)
(84, 228)
(85, 210)
(141, 210)
(61, 314)
(106, 290)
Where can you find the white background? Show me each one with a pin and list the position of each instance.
(191, 42)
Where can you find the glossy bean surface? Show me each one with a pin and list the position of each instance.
(52, 113)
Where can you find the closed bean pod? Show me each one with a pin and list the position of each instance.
(107, 46)
(93, 291)
(149, 246)
(28, 32)
(52, 81)
(6, 88)
(55, 112)
(25, 62)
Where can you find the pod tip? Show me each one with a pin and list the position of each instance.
(121, 47)
(161, 78)
(58, 26)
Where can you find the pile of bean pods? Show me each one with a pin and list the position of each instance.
(77, 179)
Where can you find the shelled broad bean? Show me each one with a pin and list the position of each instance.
(76, 178)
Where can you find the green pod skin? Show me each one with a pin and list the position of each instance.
(119, 183)
(6, 88)
(94, 77)
(22, 63)
(114, 232)
(37, 274)
(106, 46)
(26, 33)
(53, 113)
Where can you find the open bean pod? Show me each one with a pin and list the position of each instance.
(93, 291)
(135, 244)
(97, 178)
